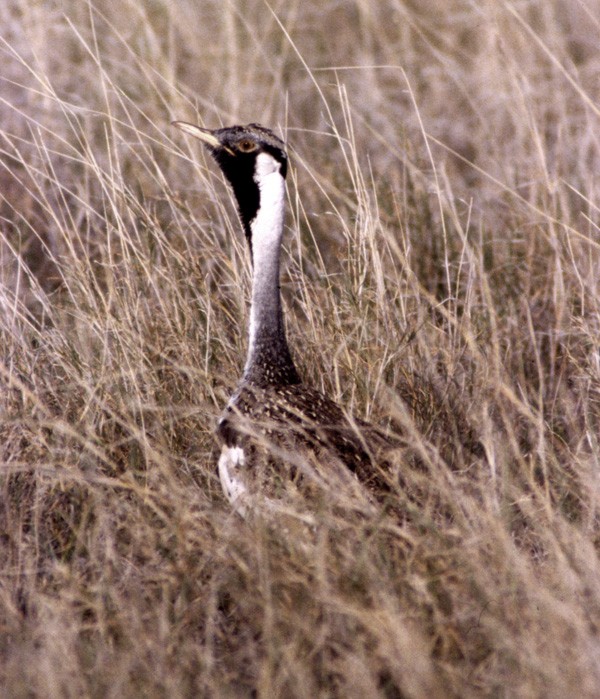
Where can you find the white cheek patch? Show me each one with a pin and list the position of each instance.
(266, 165)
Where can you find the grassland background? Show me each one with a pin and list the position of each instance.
(441, 278)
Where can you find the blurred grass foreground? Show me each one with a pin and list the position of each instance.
(442, 266)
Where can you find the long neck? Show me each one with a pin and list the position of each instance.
(269, 360)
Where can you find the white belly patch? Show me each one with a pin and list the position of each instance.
(231, 462)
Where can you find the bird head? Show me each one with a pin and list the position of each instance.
(247, 155)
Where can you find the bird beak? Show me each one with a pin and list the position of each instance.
(204, 135)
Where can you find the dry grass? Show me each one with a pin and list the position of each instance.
(442, 273)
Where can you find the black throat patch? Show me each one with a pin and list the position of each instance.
(240, 174)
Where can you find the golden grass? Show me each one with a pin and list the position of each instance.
(441, 277)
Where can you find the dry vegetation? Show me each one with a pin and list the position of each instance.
(442, 267)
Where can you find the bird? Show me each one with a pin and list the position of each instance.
(273, 417)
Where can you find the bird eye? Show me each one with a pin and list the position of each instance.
(246, 145)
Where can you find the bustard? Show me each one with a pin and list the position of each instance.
(273, 418)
